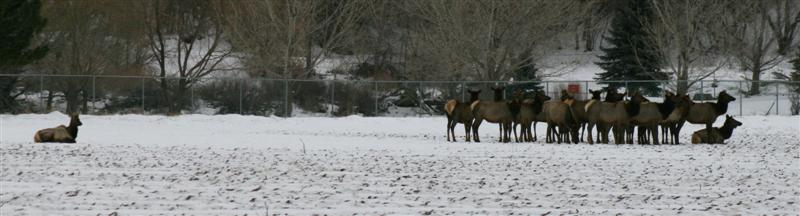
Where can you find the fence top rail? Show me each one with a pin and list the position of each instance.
(387, 81)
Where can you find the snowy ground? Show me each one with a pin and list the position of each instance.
(233, 164)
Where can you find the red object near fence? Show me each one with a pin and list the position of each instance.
(574, 88)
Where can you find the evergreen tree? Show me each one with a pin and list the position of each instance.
(795, 75)
(526, 73)
(20, 21)
(631, 56)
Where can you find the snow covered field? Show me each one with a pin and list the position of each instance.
(197, 164)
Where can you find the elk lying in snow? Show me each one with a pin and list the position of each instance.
(497, 111)
(718, 135)
(706, 113)
(460, 112)
(60, 134)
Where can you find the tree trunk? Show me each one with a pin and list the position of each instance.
(7, 100)
(755, 84)
(50, 97)
(72, 96)
(85, 100)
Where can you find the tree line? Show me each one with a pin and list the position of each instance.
(682, 40)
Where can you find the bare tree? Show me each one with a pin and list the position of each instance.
(745, 26)
(491, 38)
(288, 39)
(186, 44)
(784, 21)
(680, 34)
(80, 45)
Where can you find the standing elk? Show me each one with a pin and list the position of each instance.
(651, 115)
(540, 98)
(718, 135)
(705, 113)
(460, 112)
(60, 134)
(497, 111)
(608, 115)
(579, 109)
(560, 115)
(528, 110)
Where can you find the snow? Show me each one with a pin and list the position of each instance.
(231, 164)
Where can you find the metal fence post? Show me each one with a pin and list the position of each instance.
(94, 93)
(286, 98)
(702, 90)
(41, 92)
(547, 87)
(241, 86)
(191, 97)
(333, 92)
(142, 95)
(777, 100)
(421, 96)
(741, 98)
(586, 93)
(463, 91)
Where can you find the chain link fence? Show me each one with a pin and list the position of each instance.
(104, 95)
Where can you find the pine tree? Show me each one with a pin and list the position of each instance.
(526, 73)
(795, 75)
(631, 56)
(20, 21)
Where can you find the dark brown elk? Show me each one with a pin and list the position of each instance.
(460, 112)
(705, 113)
(538, 107)
(528, 109)
(579, 109)
(608, 115)
(497, 111)
(613, 96)
(560, 116)
(651, 115)
(718, 135)
(60, 134)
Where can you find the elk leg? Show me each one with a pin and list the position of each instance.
(534, 131)
(514, 127)
(589, 134)
(583, 129)
(467, 125)
(654, 128)
(677, 132)
(475, 125)
(531, 138)
(447, 128)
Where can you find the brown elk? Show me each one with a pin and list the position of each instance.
(613, 96)
(718, 135)
(60, 134)
(526, 113)
(497, 111)
(538, 107)
(460, 112)
(705, 113)
(579, 109)
(561, 116)
(608, 115)
(651, 115)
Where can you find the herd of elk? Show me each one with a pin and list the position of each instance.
(567, 118)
